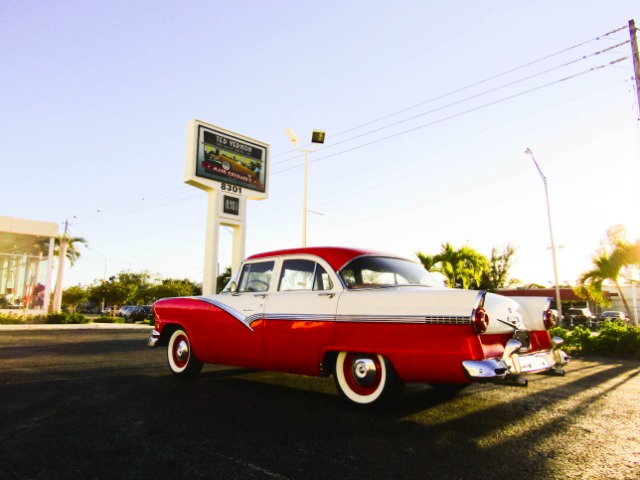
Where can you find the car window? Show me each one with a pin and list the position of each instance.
(255, 277)
(369, 271)
(303, 275)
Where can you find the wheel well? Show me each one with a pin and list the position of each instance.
(329, 363)
(167, 331)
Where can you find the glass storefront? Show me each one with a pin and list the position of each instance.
(24, 270)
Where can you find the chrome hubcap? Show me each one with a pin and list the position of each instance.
(182, 351)
(364, 371)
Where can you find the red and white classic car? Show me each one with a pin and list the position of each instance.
(372, 320)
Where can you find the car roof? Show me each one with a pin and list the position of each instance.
(337, 257)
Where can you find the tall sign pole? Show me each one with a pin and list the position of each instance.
(232, 169)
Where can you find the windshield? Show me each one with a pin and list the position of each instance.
(367, 272)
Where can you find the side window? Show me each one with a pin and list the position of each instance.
(255, 277)
(303, 275)
(322, 280)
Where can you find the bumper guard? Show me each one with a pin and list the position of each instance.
(154, 339)
(508, 369)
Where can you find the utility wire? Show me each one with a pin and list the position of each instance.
(467, 87)
(440, 120)
(113, 213)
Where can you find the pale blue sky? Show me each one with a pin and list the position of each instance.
(95, 98)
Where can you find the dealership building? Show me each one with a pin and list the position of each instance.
(26, 263)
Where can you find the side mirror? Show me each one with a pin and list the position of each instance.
(233, 287)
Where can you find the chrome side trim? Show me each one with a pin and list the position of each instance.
(226, 308)
(428, 319)
(415, 319)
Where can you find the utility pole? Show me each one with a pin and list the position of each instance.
(636, 60)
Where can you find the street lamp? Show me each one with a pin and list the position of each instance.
(317, 137)
(529, 152)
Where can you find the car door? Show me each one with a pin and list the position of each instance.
(237, 340)
(300, 316)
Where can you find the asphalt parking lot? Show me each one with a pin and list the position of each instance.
(98, 404)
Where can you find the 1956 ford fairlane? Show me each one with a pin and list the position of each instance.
(374, 321)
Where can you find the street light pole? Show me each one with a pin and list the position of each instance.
(317, 138)
(553, 245)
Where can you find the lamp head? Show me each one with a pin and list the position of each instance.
(291, 135)
(318, 136)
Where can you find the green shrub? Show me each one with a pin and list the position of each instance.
(107, 319)
(615, 339)
(65, 318)
(10, 319)
(56, 318)
(560, 332)
(618, 339)
(76, 318)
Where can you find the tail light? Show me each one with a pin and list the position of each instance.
(480, 320)
(550, 318)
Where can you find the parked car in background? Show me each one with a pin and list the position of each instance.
(580, 316)
(122, 312)
(612, 315)
(374, 321)
(138, 313)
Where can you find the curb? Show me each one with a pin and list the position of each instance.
(75, 326)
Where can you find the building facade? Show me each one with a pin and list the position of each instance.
(26, 263)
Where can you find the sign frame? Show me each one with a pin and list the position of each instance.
(219, 159)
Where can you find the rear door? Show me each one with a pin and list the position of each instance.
(300, 316)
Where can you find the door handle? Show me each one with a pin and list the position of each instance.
(327, 294)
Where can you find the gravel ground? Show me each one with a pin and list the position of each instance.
(98, 404)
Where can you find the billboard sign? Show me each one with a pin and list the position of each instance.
(220, 159)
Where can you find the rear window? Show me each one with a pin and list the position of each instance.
(370, 271)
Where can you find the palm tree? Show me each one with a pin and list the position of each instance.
(429, 262)
(497, 273)
(72, 254)
(462, 267)
(607, 267)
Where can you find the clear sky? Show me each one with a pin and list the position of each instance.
(428, 109)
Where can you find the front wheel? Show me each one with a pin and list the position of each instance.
(365, 378)
(182, 360)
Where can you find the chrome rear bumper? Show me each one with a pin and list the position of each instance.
(512, 364)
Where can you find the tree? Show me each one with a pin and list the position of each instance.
(614, 253)
(140, 284)
(497, 274)
(223, 279)
(171, 287)
(429, 262)
(463, 267)
(73, 243)
(112, 292)
(72, 296)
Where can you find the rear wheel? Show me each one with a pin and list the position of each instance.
(366, 378)
(182, 360)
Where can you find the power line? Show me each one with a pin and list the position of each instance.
(443, 119)
(467, 87)
(135, 206)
